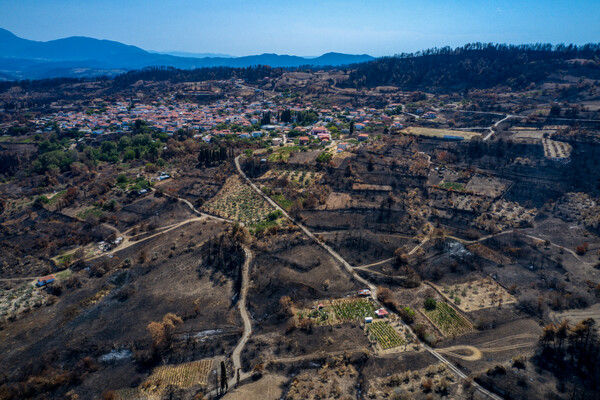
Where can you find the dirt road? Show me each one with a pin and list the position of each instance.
(355, 275)
(245, 318)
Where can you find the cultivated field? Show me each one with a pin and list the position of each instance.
(338, 311)
(182, 375)
(439, 133)
(237, 201)
(556, 150)
(476, 295)
(448, 321)
(384, 335)
(19, 300)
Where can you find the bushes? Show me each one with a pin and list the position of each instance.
(430, 304)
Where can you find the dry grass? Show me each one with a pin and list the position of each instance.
(439, 133)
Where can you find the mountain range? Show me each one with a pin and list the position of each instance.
(87, 57)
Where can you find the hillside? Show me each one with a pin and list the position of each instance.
(478, 66)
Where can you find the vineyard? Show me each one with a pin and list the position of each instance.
(182, 375)
(385, 335)
(237, 201)
(339, 311)
(450, 322)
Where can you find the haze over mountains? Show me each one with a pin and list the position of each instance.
(85, 57)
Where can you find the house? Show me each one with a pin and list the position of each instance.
(276, 141)
(256, 134)
(430, 115)
(382, 313)
(364, 292)
(303, 140)
(363, 137)
(44, 280)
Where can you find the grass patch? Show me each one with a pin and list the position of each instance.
(453, 186)
(90, 212)
(63, 274)
(282, 201)
(54, 199)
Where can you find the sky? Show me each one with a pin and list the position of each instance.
(306, 28)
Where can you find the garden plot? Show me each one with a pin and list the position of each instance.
(448, 320)
(20, 300)
(476, 295)
(384, 336)
(556, 150)
(237, 201)
(338, 311)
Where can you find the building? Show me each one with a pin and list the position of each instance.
(363, 137)
(382, 313)
(303, 140)
(44, 280)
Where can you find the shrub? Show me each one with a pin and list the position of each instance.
(430, 304)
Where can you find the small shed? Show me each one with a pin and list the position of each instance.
(368, 320)
(44, 280)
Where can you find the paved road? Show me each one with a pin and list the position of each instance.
(355, 275)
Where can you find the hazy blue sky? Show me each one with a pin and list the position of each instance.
(307, 27)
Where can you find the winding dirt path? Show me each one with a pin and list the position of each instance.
(245, 318)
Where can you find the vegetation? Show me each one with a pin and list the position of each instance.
(450, 322)
(385, 335)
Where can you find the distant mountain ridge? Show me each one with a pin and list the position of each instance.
(85, 57)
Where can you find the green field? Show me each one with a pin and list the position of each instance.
(453, 186)
(448, 320)
(384, 334)
(340, 311)
(352, 309)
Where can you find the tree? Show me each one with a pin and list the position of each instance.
(430, 304)
(224, 384)
(351, 127)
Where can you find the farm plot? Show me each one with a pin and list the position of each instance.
(338, 311)
(476, 295)
(384, 334)
(20, 300)
(556, 150)
(450, 322)
(352, 309)
(182, 375)
(237, 201)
